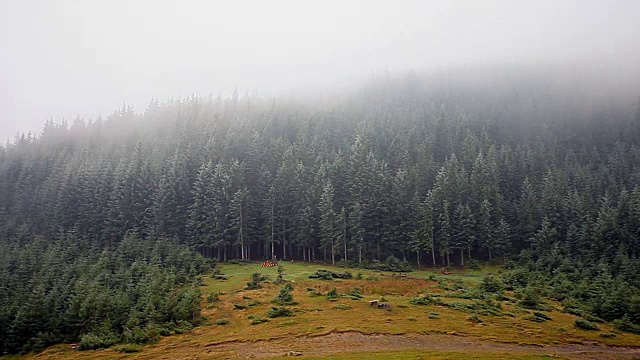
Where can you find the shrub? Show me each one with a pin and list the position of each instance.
(592, 318)
(625, 324)
(354, 294)
(359, 276)
(542, 315)
(534, 318)
(391, 264)
(94, 341)
(530, 298)
(279, 279)
(275, 312)
(491, 285)
(140, 335)
(213, 297)
(284, 296)
(256, 279)
(332, 294)
(425, 300)
(586, 325)
(222, 322)
(329, 275)
(608, 335)
(239, 307)
(258, 320)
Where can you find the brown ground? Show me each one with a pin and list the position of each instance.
(335, 343)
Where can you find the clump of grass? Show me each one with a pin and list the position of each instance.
(257, 320)
(474, 318)
(342, 307)
(607, 335)
(213, 297)
(222, 322)
(239, 307)
(332, 294)
(411, 318)
(586, 325)
(128, 348)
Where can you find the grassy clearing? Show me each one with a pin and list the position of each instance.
(246, 312)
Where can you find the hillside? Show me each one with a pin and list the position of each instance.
(498, 327)
(107, 224)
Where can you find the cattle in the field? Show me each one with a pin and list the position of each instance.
(269, 263)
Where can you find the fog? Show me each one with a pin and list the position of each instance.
(62, 59)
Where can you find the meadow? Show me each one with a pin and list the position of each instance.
(430, 315)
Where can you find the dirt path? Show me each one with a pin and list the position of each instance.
(352, 341)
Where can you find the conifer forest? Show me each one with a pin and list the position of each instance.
(106, 223)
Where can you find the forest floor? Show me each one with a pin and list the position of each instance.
(344, 328)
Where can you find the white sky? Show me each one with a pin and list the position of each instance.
(61, 58)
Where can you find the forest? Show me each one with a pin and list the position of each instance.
(105, 224)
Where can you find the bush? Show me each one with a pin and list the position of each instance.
(391, 264)
(530, 298)
(93, 341)
(425, 300)
(332, 294)
(626, 325)
(222, 322)
(257, 320)
(239, 307)
(279, 279)
(354, 294)
(141, 336)
(474, 318)
(275, 312)
(256, 279)
(491, 285)
(542, 315)
(586, 325)
(330, 275)
(284, 296)
(213, 297)
(608, 335)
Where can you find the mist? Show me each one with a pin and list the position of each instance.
(64, 59)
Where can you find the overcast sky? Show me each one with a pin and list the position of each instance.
(62, 58)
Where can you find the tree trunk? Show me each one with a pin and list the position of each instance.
(433, 257)
(462, 257)
(418, 258)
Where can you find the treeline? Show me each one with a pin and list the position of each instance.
(70, 289)
(433, 169)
